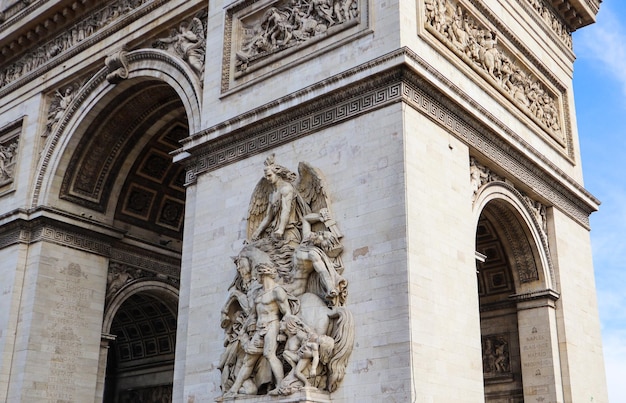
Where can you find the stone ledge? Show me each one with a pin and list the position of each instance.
(305, 395)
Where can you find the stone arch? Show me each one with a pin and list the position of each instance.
(138, 340)
(517, 295)
(142, 64)
(160, 289)
(523, 231)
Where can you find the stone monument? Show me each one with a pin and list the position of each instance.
(294, 201)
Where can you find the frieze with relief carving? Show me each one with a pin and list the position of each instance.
(548, 16)
(119, 275)
(286, 324)
(480, 47)
(287, 24)
(70, 38)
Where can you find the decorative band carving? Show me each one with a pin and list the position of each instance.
(395, 85)
(29, 232)
(69, 239)
(480, 46)
(75, 39)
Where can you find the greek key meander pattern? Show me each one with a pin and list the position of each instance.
(294, 129)
(414, 91)
(67, 238)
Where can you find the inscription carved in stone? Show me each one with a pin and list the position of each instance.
(288, 294)
(479, 47)
(288, 23)
(67, 313)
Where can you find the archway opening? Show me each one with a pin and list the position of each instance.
(140, 363)
(119, 172)
(500, 244)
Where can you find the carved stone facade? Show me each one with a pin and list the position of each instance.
(294, 201)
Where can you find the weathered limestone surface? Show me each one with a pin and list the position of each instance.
(430, 120)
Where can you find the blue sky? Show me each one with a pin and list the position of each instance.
(600, 96)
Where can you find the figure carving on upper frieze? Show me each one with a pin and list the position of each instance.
(188, 42)
(292, 238)
(479, 46)
(552, 21)
(288, 23)
(71, 37)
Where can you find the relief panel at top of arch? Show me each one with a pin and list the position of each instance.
(264, 36)
(472, 36)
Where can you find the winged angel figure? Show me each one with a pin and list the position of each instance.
(288, 293)
(188, 42)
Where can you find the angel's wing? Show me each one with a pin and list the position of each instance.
(258, 205)
(313, 189)
(197, 28)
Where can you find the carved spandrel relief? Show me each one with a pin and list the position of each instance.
(288, 294)
(59, 101)
(187, 41)
(481, 175)
(119, 275)
(288, 23)
(479, 47)
(70, 38)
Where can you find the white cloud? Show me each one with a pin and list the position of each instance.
(605, 42)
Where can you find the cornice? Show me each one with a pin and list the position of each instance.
(25, 23)
(576, 13)
(215, 147)
(11, 80)
(79, 233)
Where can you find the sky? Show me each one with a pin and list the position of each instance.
(600, 97)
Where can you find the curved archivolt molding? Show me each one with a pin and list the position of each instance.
(140, 64)
(166, 293)
(523, 232)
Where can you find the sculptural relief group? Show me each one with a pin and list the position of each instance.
(285, 321)
(289, 23)
(478, 46)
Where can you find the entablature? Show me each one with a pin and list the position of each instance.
(24, 24)
(576, 13)
(241, 137)
(45, 224)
